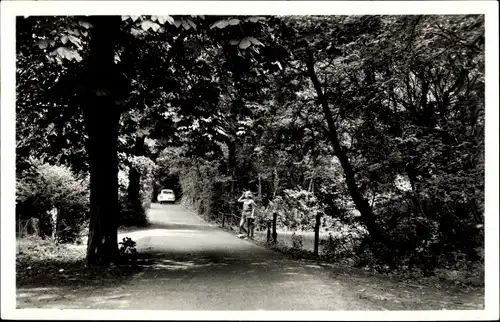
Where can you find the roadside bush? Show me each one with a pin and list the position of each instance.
(44, 187)
(337, 247)
(441, 234)
(206, 190)
(133, 212)
(297, 209)
(127, 249)
(297, 241)
(145, 167)
(72, 230)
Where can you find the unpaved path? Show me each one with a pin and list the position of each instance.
(196, 266)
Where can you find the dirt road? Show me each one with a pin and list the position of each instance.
(197, 266)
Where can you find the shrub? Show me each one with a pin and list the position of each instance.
(127, 249)
(297, 209)
(44, 187)
(145, 167)
(440, 234)
(133, 212)
(206, 189)
(341, 246)
(297, 241)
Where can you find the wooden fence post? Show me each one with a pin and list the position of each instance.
(316, 234)
(223, 220)
(268, 230)
(275, 234)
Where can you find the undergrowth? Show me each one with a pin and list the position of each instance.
(346, 257)
(42, 262)
(347, 251)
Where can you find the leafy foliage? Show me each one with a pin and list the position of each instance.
(127, 249)
(297, 241)
(401, 122)
(45, 187)
(132, 212)
(376, 122)
(297, 209)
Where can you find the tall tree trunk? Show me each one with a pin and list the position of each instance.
(102, 150)
(101, 115)
(276, 181)
(134, 185)
(260, 187)
(412, 177)
(232, 163)
(361, 203)
(156, 191)
(259, 180)
(54, 213)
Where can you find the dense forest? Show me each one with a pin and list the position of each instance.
(376, 123)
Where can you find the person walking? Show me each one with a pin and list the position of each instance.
(248, 214)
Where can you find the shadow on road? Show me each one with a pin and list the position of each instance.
(186, 264)
(169, 226)
(180, 226)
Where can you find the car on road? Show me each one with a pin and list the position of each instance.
(166, 195)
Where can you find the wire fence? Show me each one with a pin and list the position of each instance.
(269, 225)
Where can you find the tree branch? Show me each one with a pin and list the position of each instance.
(361, 203)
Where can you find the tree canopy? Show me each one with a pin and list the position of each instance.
(374, 121)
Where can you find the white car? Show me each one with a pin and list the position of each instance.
(166, 195)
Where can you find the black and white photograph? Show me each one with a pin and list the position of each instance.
(249, 159)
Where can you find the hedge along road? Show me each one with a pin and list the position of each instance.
(197, 266)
